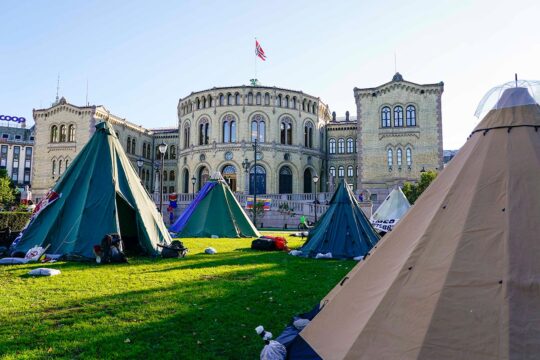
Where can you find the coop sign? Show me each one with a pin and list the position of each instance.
(17, 119)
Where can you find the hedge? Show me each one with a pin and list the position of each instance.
(15, 220)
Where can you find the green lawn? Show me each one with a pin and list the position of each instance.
(200, 307)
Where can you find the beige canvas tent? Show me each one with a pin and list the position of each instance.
(459, 277)
(393, 208)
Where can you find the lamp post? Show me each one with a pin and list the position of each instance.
(193, 181)
(140, 164)
(245, 165)
(255, 148)
(162, 149)
(315, 180)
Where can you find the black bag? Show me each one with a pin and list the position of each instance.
(112, 249)
(175, 250)
(263, 244)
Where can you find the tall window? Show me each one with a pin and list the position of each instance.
(128, 148)
(59, 167)
(257, 128)
(258, 99)
(172, 176)
(350, 146)
(15, 167)
(53, 168)
(341, 146)
(332, 171)
(250, 99)
(341, 171)
(286, 130)
(411, 115)
(238, 99)
(63, 133)
(408, 154)
(164, 175)
(350, 171)
(308, 135)
(385, 117)
(28, 158)
(186, 136)
(293, 102)
(398, 157)
(398, 116)
(332, 147)
(230, 99)
(229, 128)
(390, 157)
(221, 99)
(71, 133)
(172, 150)
(286, 102)
(204, 127)
(3, 156)
(133, 146)
(278, 100)
(267, 99)
(54, 134)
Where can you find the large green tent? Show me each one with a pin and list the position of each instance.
(215, 211)
(344, 230)
(100, 193)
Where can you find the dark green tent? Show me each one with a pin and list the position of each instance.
(215, 211)
(100, 193)
(343, 230)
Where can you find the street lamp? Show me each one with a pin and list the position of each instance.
(140, 164)
(193, 181)
(255, 148)
(162, 149)
(315, 180)
(245, 164)
(423, 170)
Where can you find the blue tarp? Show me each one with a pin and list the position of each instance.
(183, 219)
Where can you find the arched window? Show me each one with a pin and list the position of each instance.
(133, 146)
(293, 102)
(186, 136)
(53, 168)
(398, 116)
(198, 103)
(230, 99)
(278, 100)
(385, 117)
(286, 130)
(204, 127)
(128, 147)
(314, 108)
(267, 99)
(190, 107)
(164, 175)
(332, 171)
(250, 99)
(341, 146)
(172, 176)
(238, 100)
(390, 157)
(59, 167)
(398, 157)
(166, 155)
(229, 174)
(257, 128)
(186, 181)
(350, 146)
(172, 150)
(257, 180)
(63, 134)
(204, 175)
(350, 171)
(332, 146)
(204, 102)
(171, 189)
(411, 115)
(229, 128)
(408, 154)
(54, 134)
(304, 105)
(286, 102)
(71, 133)
(258, 99)
(221, 99)
(147, 178)
(210, 101)
(67, 163)
(308, 135)
(341, 171)
(285, 180)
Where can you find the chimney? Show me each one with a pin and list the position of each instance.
(333, 116)
(346, 116)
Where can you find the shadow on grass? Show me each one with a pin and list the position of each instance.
(202, 319)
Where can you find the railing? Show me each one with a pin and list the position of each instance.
(242, 198)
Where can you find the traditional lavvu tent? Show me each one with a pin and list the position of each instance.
(459, 278)
(99, 193)
(343, 230)
(214, 211)
(393, 208)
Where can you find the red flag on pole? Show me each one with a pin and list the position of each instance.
(259, 51)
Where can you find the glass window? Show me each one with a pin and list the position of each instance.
(128, 143)
(308, 135)
(28, 158)
(341, 146)
(341, 171)
(350, 171)
(350, 146)
(250, 99)
(257, 128)
(53, 168)
(286, 130)
(385, 117)
(3, 156)
(398, 116)
(54, 134)
(267, 99)
(390, 155)
(408, 154)
(16, 157)
(258, 99)
(332, 146)
(398, 157)
(332, 171)
(411, 115)
(63, 136)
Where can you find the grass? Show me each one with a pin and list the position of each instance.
(200, 307)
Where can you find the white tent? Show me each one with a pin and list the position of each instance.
(393, 208)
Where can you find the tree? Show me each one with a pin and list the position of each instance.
(258, 208)
(7, 194)
(413, 190)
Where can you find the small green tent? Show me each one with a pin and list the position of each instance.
(343, 230)
(215, 211)
(100, 193)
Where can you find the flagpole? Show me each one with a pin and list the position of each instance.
(255, 58)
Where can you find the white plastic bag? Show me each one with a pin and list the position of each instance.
(44, 272)
(323, 256)
(273, 351)
(210, 251)
(295, 252)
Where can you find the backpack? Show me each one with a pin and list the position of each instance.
(175, 250)
(265, 244)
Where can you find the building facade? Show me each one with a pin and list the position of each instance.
(17, 153)
(400, 134)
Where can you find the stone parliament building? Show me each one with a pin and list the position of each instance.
(396, 134)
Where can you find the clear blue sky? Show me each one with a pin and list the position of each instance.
(140, 57)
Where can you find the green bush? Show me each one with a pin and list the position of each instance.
(15, 220)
